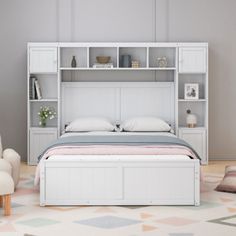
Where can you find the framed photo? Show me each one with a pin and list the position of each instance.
(191, 91)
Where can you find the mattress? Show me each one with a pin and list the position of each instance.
(118, 146)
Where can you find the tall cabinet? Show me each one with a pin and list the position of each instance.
(50, 63)
(193, 69)
(42, 66)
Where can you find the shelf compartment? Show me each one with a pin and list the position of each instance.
(117, 76)
(48, 84)
(80, 54)
(121, 68)
(197, 108)
(136, 53)
(157, 52)
(195, 128)
(200, 79)
(197, 100)
(43, 100)
(34, 109)
(102, 51)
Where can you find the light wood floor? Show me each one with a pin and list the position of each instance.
(217, 166)
(213, 167)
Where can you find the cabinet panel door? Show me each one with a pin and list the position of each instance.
(197, 139)
(39, 140)
(43, 60)
(192, 60)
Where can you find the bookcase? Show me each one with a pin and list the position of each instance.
(43, 67)
(193, 68)
(186, 63)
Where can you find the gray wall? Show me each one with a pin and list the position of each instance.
(119, 20)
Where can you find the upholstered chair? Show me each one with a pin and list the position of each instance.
(10, 162)
(9, 176)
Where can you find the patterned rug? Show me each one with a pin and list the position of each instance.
(216, 216)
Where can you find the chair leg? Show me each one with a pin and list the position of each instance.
(7, 205)
(1, 201)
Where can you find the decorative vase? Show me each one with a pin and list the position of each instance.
(43, 123)
(125, 61)
(191, 119)
(73, 62)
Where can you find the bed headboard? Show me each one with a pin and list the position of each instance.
(117, 100)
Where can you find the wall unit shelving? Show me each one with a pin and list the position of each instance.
(43, 66)
(187, 63)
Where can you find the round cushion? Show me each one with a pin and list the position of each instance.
(5, 166)
(6, 183)
(13, 158)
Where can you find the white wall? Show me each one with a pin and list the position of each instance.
(119, 20)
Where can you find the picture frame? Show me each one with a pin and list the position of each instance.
(191, 91)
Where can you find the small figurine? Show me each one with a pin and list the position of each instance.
(191, 119)
(162, 62)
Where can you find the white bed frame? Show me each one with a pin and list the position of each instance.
(119, 180)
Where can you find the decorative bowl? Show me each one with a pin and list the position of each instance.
(103, 59)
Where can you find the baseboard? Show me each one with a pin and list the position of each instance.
(222, 158)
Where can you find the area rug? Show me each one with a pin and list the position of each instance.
(216, 216)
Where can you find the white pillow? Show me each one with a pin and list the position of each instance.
(148, 124)
(90, 124)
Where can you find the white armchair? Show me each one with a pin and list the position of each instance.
(10, 163)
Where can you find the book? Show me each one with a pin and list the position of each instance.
(32, 92)
(99, 65)
(38, 89)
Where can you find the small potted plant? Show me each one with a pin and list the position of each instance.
(44, 114)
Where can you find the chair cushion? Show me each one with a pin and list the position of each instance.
(13, 158)
(6, 183)
(5, 166)
(228, 184)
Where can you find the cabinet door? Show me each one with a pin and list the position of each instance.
(39, 140)
(192, 60)
(43, 60)
(197, 139)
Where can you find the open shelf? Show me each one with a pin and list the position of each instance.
(194, 78)
(197, 108)
(43, 100)
(80, 54)
(157, 52)
(34, 109)
(102, 51)
(117, 76)
(120, 68)
(136, 53)
(198, 127)
(48, 85)
(197, 100)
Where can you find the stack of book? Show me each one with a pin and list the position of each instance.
(100, 65)
(35, 89)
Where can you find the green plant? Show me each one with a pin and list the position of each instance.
(46, 113)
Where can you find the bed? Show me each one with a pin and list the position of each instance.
(119, 168)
